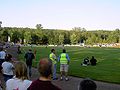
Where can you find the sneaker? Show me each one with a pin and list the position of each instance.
(61, 78)
(55, 78)
(66, 79)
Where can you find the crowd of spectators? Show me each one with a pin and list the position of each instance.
(17, 75)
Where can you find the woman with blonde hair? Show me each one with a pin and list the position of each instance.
(20, 80)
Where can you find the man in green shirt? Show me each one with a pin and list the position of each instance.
(64, 63)
(53, 59)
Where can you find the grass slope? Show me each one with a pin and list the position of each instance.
(108, 65)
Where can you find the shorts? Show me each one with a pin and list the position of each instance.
(64, 67)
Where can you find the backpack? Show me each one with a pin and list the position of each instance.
(29, 57)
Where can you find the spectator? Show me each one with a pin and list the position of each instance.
(93, 61)
(8, 56)
(64, 63)
(87, 84)
(29, 56)
(85, 62)
(20, 80)
(19, 50)
(44, 81)
(7, 68)
(2, 57)
(52, 57)
(0, 85)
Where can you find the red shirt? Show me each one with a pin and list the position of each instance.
(43, 85)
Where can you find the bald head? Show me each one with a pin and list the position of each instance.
(45, 67)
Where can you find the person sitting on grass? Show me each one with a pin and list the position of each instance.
(20, 80)
(87, 84)
(44, 81)
(85, 62)
(93, 61)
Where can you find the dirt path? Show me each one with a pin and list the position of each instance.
(72, 84)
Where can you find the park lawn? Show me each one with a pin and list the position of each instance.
(107, 68)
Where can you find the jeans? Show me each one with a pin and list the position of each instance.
(7, 77)
(29, 70)
(54, 71)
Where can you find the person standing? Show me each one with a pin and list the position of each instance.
(20, 80)
(7, 68)
(2, 57)
(19, 50)
(29, 56)
(64, 63)
(44, 81)
(53, 59)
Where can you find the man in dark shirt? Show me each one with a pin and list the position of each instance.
(44, 81)
(93, 61)
(29, 56)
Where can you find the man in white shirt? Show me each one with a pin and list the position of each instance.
(7, 68)
(2, 57)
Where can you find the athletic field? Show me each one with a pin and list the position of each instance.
(107, 68)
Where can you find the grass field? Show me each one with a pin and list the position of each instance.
(107, 68)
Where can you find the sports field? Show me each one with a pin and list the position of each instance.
(107, 68)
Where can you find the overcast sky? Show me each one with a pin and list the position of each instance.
(61, 14)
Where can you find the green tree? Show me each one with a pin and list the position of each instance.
(16, 36)
(44, 40)
(61, 39)
(66, 37)
(51, 37)
(5, 34)
(117, 35)
(39, 26)
(27, 36)
(73, 38)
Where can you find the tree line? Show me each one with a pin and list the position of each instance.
(57, 37)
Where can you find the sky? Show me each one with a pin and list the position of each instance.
(61, 14)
